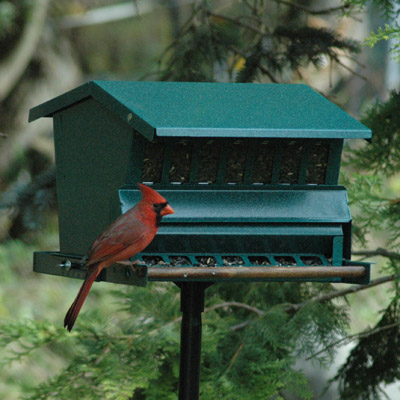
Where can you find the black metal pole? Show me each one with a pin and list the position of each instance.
(192, 305)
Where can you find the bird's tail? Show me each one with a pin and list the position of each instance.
(76, 306)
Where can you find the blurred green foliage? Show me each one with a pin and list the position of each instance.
(8, 13)
(12, 16)
(374, 361)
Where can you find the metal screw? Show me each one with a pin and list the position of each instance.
(67, 264)
(128, 272)
(130, 116)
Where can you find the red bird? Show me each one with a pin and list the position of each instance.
(128, 235)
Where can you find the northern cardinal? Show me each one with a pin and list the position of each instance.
(128, 235)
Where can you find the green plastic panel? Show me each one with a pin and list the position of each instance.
(193, 109)
(249, 206)
(89, 172)
(252, 221)
(248, 239)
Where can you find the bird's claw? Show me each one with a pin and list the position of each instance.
(133, 266)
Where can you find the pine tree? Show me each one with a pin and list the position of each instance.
(374, 361)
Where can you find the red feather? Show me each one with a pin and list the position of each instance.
(128, 235)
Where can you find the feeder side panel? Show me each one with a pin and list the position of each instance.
(93, 155)
(335, 155)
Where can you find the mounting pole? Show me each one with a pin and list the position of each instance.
(192, 305)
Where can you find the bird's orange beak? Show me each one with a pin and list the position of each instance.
(167, 210)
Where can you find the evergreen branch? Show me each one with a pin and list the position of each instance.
(223, 305)
(261, 68)
(235, 304)
(236, 21)
(354, 336)
(228, 304)
(329, 10)
(182, 31)
(253, 8)
(355, 60)
(341, 292)
(378, 252)
(294, 308)
(260, 32)
(242, 325)
(348, 68)
(235, 356)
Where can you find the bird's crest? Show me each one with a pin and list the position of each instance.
(150, 194)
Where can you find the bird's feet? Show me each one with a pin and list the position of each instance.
(134, 266)
(131, 263)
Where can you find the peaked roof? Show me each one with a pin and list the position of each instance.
(215, 109)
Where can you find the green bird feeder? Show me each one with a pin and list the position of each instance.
(251, 171)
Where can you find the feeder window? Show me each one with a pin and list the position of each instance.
(179, 260)
(236, 160)
(215, 260)
(208, 261)
(153, 260)
(259, 260)
(208, 161)
(264, 160)
(232, 260)
(180, 162)
(285, 260)
(317, 163)
(311, 260)
(290, 163)
(152, 162)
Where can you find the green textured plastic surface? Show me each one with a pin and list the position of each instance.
(245, 239)
(187, 109)
(249, 206)
(89, 172)
(252, 221)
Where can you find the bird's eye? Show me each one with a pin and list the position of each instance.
(159, 206)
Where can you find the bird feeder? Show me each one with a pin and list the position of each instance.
(251, 171)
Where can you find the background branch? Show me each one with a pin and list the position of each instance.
(14, 66)
(354, 336)
(329, 10)
(342, 292)
(293, 308)
(260, 67)
(378, 252)
(236, 21)
(351, 70)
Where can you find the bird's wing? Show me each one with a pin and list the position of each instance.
(115, 239)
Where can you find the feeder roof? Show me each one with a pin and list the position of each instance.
(198, 109)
